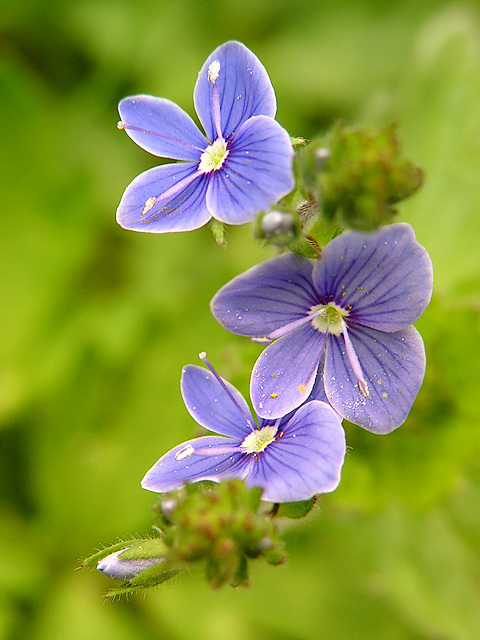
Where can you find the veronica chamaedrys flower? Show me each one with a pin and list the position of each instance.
(291, 458)
(346, 317)
(242, 165)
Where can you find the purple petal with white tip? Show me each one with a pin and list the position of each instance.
(384, 279)
(162, 128)
(266, 297)
(256, 174)
(244, 88)
(393, 365)
(284, 374)
(192, 462)
(144, 207)
(210, 406)
(306, 457)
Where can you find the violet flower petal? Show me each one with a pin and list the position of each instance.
(162, 128)
(393, 365)
(318, 391)
(210, 406)
(256, 174)
(306, 459)
(266, 296)
(244, 89)
(384, 278)
(143, 209)
(284, 374)
(180, 465)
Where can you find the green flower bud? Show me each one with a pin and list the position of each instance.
(355, 176)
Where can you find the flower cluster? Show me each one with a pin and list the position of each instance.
(338, 329)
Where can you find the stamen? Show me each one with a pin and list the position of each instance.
(213, 73)
(217, 121)
(171, 192)
(122, 125)
(203, 357)
(355, 364)
(188, 451)
(291, 326)
(185, 452)
(216, 451)
(262, 340)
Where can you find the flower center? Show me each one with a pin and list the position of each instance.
(328, 318)
(213, 157)
(259, 439)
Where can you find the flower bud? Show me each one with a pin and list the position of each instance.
(114, 567)
(280, 228)
(168, 506)
(355, 175)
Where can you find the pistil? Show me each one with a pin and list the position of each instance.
(259, 440)
(203, 357)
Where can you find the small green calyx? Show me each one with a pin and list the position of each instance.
(259, 440)
(213, 157)
(328, 318)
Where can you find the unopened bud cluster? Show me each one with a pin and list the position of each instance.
(220, 525)
(355, 176)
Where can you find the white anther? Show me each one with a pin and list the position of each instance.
(184, 453)
(213, 71)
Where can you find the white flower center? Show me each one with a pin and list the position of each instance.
(213, 157)
(259, 439)
(329, 320)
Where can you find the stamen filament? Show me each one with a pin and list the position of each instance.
(216, 451)
(179, 186)
(122, 125)
(216, 111)
(203, 357)
(354, 362)
(291, 326)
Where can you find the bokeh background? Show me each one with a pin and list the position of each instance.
(96, 322)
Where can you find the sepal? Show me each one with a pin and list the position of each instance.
(219, 232)
(296, 510)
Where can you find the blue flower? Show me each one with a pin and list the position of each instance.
(291, 458)
(243, 165)
(345, 319)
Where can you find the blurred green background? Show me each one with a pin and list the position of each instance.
(97, 322)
